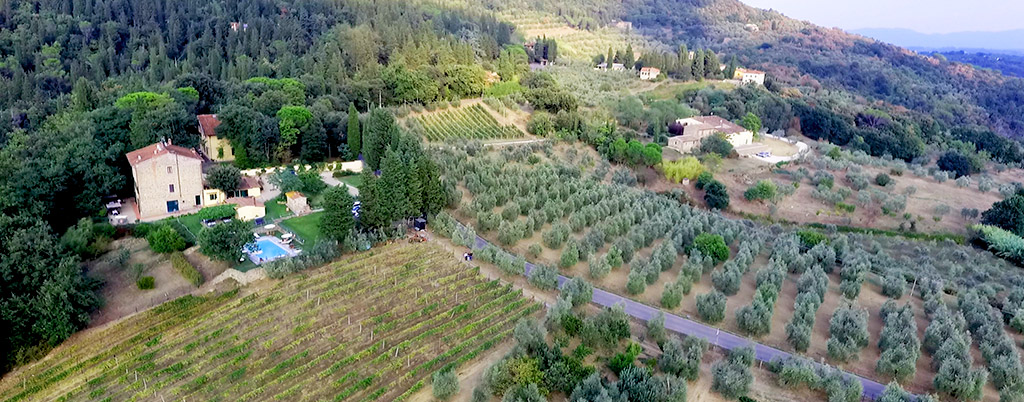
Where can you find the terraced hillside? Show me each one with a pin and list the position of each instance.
(579, 44)
(469, 122)
(371, 327)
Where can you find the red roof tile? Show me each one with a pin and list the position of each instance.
(144, 154)
(244, 201)
(208, 124)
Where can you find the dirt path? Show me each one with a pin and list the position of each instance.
(470, 376)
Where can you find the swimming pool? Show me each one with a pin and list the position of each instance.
(269, 249)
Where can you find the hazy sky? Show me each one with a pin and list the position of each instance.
(928, 16)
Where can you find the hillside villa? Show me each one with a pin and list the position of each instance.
(695, 129)
(215, 148)
(169, 180)
(649, 73)
(748, 76)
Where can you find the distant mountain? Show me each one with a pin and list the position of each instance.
(1003, 40)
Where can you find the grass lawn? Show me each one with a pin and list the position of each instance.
(275, 210)
(305, 227)
(354, 180)
(190, 221)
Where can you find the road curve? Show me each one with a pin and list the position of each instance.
(714, 336)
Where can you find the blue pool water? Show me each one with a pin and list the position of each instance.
(270, 250)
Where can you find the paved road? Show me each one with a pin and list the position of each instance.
(714, 336)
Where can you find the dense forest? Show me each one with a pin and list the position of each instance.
(1008, 64)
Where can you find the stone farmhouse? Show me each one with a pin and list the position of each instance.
(169, 180)
(695, 129)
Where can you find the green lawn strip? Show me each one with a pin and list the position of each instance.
(276, 210)
(306, 227)
(353, 180)
(192, 222)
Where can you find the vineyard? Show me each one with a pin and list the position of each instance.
(373, 326)
(472, 122)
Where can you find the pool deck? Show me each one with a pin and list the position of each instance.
(289, 252)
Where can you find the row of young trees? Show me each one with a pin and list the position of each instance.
(998, 349)
(756, 318)
(947, 340)
(811, 289)
(898, 342)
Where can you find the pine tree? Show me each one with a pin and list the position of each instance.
(353, 136)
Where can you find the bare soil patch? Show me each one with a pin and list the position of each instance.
(121, 296)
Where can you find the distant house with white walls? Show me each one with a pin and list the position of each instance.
(649, 73)
(696, 129)
(748, 76)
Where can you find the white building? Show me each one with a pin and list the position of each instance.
(748, 76)
(649, 73)
(695, 129)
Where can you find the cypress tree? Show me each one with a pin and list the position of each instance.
(394, 190)
(353, 136)
(684, 65)
(698, 65)
(381, 131)
(628, 59)
(337, 221)
(712, 67)
(730, 70)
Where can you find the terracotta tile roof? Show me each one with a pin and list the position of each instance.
(748, 71)
(208, 124)
(249, 182)
(293, 195)
(650, 69)
(244, 201)
(144, 154)
(716, 123)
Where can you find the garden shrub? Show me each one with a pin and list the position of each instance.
(217, 212)
(883, 179)
(763, 190)
(186, 269)
(712, 245)
(146, 283)
(164, 239)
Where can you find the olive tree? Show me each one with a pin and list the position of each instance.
(445, 384)
(848, 333)
(711, 306)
